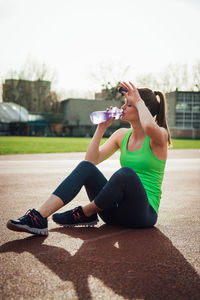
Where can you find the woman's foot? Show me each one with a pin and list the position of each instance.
(31, 222)
(75, 217)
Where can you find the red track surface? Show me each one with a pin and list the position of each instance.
(104, 262)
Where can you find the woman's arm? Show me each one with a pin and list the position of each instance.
(96, 153)
(157, 134)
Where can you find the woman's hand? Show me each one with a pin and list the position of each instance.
(132, 96)
(95, 153)
(103, 126)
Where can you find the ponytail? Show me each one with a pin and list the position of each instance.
(161, 114)
(157, 108)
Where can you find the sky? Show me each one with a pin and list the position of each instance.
(86, 42)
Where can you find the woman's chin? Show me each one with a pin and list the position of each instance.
(123, 118)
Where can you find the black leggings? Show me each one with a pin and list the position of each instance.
(123, 199)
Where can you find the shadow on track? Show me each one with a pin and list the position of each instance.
(140, 264)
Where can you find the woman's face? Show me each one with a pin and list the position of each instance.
(130, 112)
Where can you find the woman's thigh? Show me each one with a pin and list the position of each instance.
(132, 207)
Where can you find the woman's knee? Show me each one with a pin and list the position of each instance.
(87, 168)
(126, 171)
(123, 174)
(86, 164)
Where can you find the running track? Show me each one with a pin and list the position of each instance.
(104, 262)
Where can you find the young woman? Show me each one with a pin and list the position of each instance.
(131, 197)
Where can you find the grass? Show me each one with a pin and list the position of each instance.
(185, 144)
(22, 145)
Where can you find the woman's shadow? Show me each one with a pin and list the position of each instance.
(132, 263)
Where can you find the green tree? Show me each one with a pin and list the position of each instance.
(111, 91)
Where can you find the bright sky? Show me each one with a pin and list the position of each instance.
(76, 37)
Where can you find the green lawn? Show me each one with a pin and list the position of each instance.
(22, 145)
(185, 144)
(19, 145)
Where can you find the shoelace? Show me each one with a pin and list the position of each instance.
(76, 215)
(35, 220)
(26, 215)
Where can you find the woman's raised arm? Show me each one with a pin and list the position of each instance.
(156, 133)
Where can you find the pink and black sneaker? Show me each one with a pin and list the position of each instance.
(75, 217)
(31, 222)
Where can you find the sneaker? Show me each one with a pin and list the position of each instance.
(75, 217)
(31, 222)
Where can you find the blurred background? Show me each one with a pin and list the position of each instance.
(56, 53)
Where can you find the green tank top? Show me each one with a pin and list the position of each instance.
(149, 168)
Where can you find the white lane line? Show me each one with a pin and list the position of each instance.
(66, 166)
(106, 236)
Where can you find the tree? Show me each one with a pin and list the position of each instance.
(147, 80)
(173, 77)
(33, 70)
(111, 91)
(196, 74)
(110, 73)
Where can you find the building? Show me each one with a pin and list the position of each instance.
(183, 113)
(33, 95)
(76, 116)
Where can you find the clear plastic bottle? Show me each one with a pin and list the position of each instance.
(98, 117)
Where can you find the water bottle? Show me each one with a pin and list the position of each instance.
(98, 117)
(122, 89)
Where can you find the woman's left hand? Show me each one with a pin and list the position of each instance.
(132, 95)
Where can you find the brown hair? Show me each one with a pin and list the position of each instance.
(156, 108)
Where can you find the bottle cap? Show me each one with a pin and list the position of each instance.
(122, 89)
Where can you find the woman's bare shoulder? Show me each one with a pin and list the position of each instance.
(119, 134)
(122, 130)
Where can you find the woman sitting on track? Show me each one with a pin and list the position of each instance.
(131, 197)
